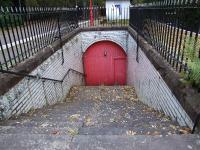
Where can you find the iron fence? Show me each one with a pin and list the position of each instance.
(26, 30)
(172, 28)
(103, 17)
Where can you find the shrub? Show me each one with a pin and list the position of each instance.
(193, 61)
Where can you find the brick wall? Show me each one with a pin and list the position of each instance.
(32, 93)
(151, 88)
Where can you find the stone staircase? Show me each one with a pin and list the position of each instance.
(97, 118)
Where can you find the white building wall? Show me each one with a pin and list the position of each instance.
(113, 12)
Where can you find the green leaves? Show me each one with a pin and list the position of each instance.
(6, 2)
(66, 3)
(193, 60)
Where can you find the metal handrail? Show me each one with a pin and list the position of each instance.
(42, 78)
(72, 71)
(197, 120)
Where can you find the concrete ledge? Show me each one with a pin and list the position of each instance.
(188, 97)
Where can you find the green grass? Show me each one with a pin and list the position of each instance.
(193, 61)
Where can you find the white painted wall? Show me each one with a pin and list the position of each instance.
(151, 88)
(30, 94)
(121, 12)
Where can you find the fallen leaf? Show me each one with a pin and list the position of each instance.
(148, 133)
(169, 133)
(117, 97)
(88, 121)
(45, 116)
(112, 120)
(189, 147)
(156, 133)
(173, 127)
(56, 132)
(72, 131)
(44, 125)
(131, 132)
(153, 126)
(185, 131)
(74, 117)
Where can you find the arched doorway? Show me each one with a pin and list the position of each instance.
(105, 63)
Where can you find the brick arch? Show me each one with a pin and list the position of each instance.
(119, 37)
(101, 40)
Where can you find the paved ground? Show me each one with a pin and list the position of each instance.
(96, 111)
(94, 142)
(96, 118)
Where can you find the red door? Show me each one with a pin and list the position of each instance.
(105, 64)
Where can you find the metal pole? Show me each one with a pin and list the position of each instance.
(91, 14)
(19, 3)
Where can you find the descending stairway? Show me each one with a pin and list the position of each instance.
(97, 118)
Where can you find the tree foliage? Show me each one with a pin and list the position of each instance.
(66, 3)
(6, 3)
(142, 1)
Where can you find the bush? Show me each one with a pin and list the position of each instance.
(193, 61)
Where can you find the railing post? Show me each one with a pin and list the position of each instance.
(60, 36)
(197, 120)
(137, 51)
(62, 90)
(55, 90)
(44, 90)
(91, 14)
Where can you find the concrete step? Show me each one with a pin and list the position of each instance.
(96, 111)
(107, 130)
(80, 130)
(39, 130)
(83, 142)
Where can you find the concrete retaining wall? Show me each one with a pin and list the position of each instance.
(151, 88)
(32, 93)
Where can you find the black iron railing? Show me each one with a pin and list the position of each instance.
(45, 90)
(42, 78)
(196, 123)
(172, 28)
(26, 30)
